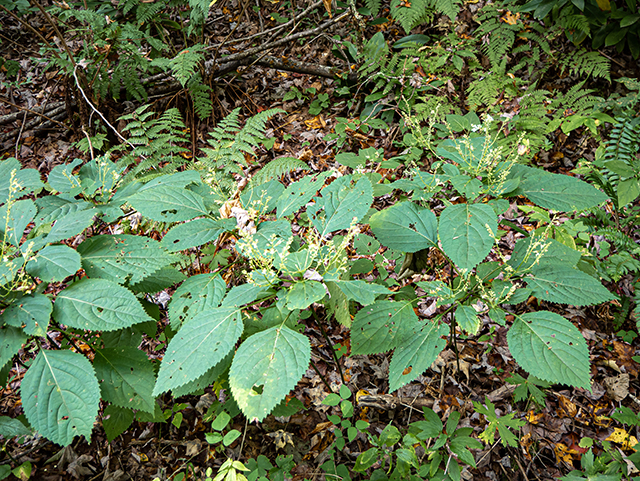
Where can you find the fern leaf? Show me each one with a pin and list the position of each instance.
(276, 168)
(184, 65)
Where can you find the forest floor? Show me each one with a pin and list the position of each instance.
(549, 442)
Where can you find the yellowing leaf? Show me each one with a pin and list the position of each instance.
(604, 5)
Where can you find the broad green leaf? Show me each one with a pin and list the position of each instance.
(61, 396)
(51, 208)
(299, 193)
(201, 343)
(127, 377)
(123, 257)
(8, 270)
(416, 354)
(362, 292)
(543, 252)
(380, 326)
(20, 214)
(466, 232)
(116, 420)
(406, 227)
(165, 203)
(294, 262)
(11, 340)
(272, 237)
(243, 294)
(207, 379)
(549, 347)
(262, 198)
(557, 191)
(54, 263)
(178, 180)
(196, 294)
(30, 313)
(340, 204)
(338, 304)
(563, 284)
(98, 305)
(15, 181)
(467, 319)
(70, 225)
(195, 233)
(10, 428)
(465, 152)
(159, 280)
(467, 186)
(62, 178)
(266, 367)
(628, 191)
(304, 293)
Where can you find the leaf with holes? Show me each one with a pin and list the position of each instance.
(98, 305)
(416, 354)
(266, 367)
(201, 343)
(196, 294)
(127, 377)
(299, 193)
(464, 233)
(61, 396)
(549, 347)
(164, 203)
(123, 257)
(406, 227)
(195, 233)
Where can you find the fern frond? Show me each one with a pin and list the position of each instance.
(374, 6)
(408, 14)
(276, 168)
(450, 8)
(585, 64)
(146, 11)
(184, 65)
(201, 97)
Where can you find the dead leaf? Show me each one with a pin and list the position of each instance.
(617, 386)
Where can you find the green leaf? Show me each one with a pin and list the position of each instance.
(524, 257)
(465, 152)
(548, 346)
(196, 233)
(467, 319)
(381, 326)
(560, 192)
(127, 377)
(628, 191)
(54, 263)
(11, 340)
(196, 294)
(31, 313)
(262, 198)
(243, 294)
(341, 204)
(116, 420)
(20, 214)
(70, 225)
(362, 292)
(416, 354)
(201, 343)
(119, 258)
(366, 460)
(52, 208)
(563, 284)
(406, 227)
(62, 178)
(98, 305)
(464, 233)
(10, 428)
(299, 194)
(158, 281)
(164, 203)
(304, 293)
(61, 396)
(272, 361)
(25, 181)
(207, 379)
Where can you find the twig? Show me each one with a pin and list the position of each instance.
(20, 134)
(25, 24)
(34, 112)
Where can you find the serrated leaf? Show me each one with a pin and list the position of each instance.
(61, 396)
(263, 197)
(164, 203)
(196, 294)
(195, 233)
(123, 257)
(304, 293)
(70, 225)
(159, 280)
(31, 313)
(362, 292)
(10, 428)
(274, 361)
(406, 227)
(26, 181)
(555, 253)
(98, 305)
(464, 233)
(52, 208)
(62, 178)
(549, 347)
(378, 327)
(116, 420)
(243, 294)
(127, 377)
(467, 319)
(20, 214)
(11, 340)
(207, 379)
(560, 192)
(54, 263)
(340, 204)
(414, 356)
(272, 236)
(299, 193)
(563, 284)
(201, 343)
